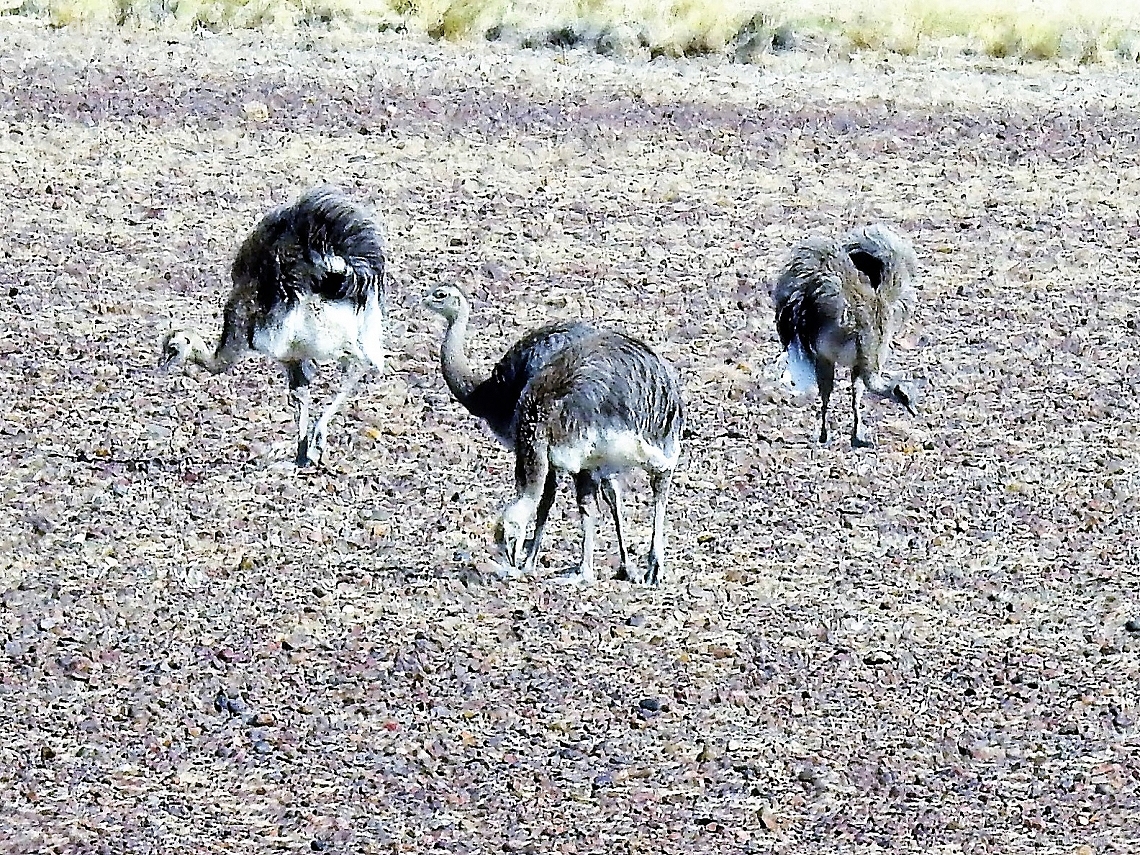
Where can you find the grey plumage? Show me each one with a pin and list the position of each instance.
(602, 405)
(308, 287)
(495, 399)
(323, 244)
(844, 302)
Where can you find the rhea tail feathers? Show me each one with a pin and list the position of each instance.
(799, 370)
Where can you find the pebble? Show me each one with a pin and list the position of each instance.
(237, 706)
(606, 779)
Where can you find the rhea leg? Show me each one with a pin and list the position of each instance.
(300, 375)
(660, 483)
(858, 437)
(611, 492)
(352, 373)
(825, 380)
(586, 487)
(542, 512)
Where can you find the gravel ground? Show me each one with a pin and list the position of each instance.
(932, 645)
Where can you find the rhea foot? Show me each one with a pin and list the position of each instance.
(578, 575)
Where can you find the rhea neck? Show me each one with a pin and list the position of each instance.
(457, 373)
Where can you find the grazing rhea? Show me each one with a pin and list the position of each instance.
(308, 287)
(602, 405)
(495, 399)
(844, 302)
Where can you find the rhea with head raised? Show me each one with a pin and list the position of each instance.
(570, 397)
(494, 398)
(843, 303)
(308, 288)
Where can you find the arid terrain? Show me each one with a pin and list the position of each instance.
(933, 645)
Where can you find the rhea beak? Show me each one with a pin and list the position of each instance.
(170, 357)
(517, 550)
(512, 551)
(905, 397)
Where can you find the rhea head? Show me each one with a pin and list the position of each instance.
(446, 300)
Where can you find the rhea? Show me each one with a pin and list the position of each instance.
(843, 303)
(308, 288)
(613, 440)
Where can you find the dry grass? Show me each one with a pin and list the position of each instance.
(1025, 30)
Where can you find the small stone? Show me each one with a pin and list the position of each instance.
(653, 705)
(237, 706)
(255, 111)
(769, 818)
(262, 747)
(807, 775)
(1133, 625)
(708, 753)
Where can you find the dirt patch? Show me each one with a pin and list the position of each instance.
(931, 644)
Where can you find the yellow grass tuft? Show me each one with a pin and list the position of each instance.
(1025, 30)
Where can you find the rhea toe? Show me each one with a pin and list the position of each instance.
(569, 397)
(308, 287)
(843, 303)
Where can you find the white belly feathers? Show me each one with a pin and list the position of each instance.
(324, 331)
(610, 451)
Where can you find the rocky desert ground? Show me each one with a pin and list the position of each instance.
(933, 645)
